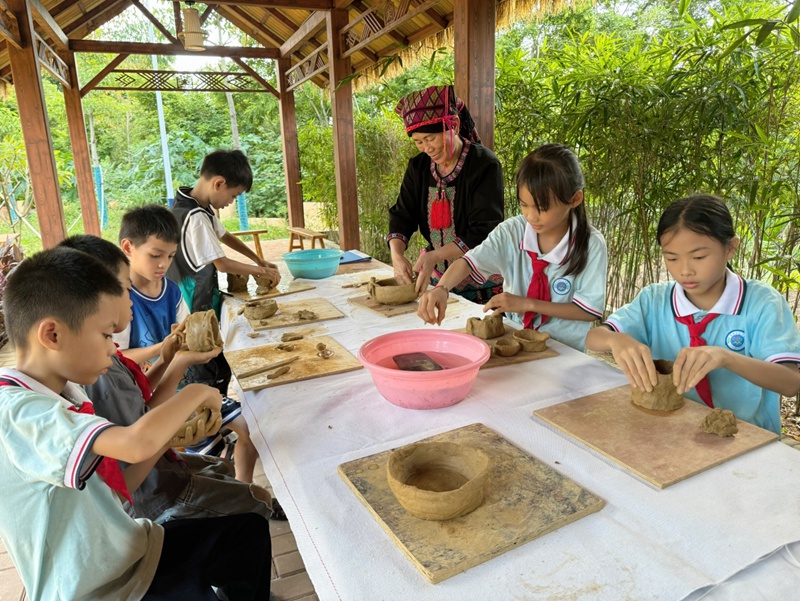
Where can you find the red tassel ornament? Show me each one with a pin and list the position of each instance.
(441, 218)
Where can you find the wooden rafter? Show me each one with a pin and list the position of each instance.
(291, 4)
(113, 64)
(48, 24)
(378, 29)
(61, 7)
(109, 6)
(360, 7)
(255, 75)
(9, 28)
(176, 14)
(156, 23)
(307, 30)
(168, 49)
(243, 21)
(206, 13)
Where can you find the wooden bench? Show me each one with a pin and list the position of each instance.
(256, 239)
(296, 235)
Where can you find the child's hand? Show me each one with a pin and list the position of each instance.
(694, 363)
(172, 343)
(508, 303)
(188, 358)
(635, 360)
(432, 305)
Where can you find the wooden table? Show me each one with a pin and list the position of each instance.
(645, 543)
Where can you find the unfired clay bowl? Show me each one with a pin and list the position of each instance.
(506, 347)
(490, 326)
(260, 309)
(532, 341)
(389, 292)
(438, 480)
(202, 331)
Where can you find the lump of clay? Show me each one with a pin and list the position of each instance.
(665, 396)
(202, 331)
(438, 480)
(305, 315)
(260, 309)
(490, 326)
(507, 347)
(532, 341)
(237, 282)
(263, 284)
(720, 422)
(291, 336)
(389, 292)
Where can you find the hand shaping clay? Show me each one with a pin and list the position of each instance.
(390, 292)
(720, 422)
(202, 331)
(532, 341)
(237, 282)
(506, 347)
(263, 284)
(438, 480)
(260, 309)
(490, 326)
(665, 396)
(204, 423)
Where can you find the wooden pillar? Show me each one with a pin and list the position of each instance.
(80, 150)
(474, 30)
(291, 148)
(344, 141)
(36, 130)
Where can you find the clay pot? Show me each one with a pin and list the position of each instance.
(438, 480)
(720, 422)
(260, 309)
(202, 331)
(507, 347)
(665, 396)
(486, 328)
(532, 341)
(237, 282)
(389, 292)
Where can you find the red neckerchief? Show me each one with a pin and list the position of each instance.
(538, 289)
(108, 468)
(696, 339)
(138, 375)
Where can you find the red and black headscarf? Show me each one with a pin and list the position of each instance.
(433, 110)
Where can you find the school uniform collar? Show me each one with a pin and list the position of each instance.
(72, 396)
(530, 243)
(730, 303)
(184, 191)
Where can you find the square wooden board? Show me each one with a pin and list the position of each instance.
(368, 302)
(308, 366)
(525, 499)
(282, 289)
(286, 315)
(661, 447)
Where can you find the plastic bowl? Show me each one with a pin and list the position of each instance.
(460, 354)
(313, 264)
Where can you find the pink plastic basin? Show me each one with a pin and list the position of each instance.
(460, 354)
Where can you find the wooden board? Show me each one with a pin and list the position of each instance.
(282, 289)
(286, 314)
(520, 357)
(661, 447)
(308, 366)
(526, 499)
(388, 310)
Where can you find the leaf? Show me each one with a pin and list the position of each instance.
(794, 12)
(683, 6)
(766, 29)
(745, 23)
(733, 46)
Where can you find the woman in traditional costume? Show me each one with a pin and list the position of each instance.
(452, 192)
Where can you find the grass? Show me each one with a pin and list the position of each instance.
(31, 243)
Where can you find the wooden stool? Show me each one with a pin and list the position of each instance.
(256, 240)
(296, 235)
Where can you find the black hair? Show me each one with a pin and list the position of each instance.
(108, 253)
(61, 282)
(149, 220)
(703, 214)
(553, 171)
(231, 165)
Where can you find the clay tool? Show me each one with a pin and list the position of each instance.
(268, 367)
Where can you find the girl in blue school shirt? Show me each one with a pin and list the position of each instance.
(552, 261)
(734, 342)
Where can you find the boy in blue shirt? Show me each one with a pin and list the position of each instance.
(63, 525)
(149, 237)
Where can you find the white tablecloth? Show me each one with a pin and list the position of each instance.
(644, 544)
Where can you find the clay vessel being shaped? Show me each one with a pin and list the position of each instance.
(490, 326)
(665, 396)
(532, 341)
(237, 282)
(263, 284)
(438, 480)
(202, 331)
(260, 309)
(507, 347)
(389, 292)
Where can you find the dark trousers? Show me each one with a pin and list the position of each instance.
(215, 373)
(232, 553)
